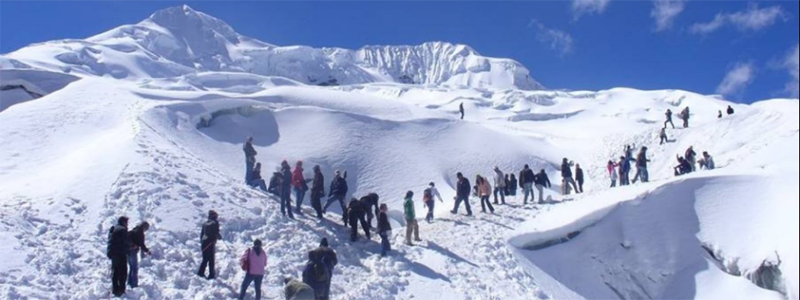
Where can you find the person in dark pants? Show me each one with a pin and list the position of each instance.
(566, 174)
(250, 158)
(461, 109)
(256, 180)
(356, 213)
(370, 205)
(254, 262)
(663, 136)
(641, 167)
(429, 200)
(137, 238)
(119, 247)
(209, 235)
(669, 119)
(579, 177)
(318, 272)
(286, 190)
(337, 192)
(384, 230)
(685, 116)
(463, 190)
(542, 181)
(499, 186)
(526, 181)
(317, 191)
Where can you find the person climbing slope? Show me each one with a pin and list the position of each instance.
(663, 136)
(685, 115)
(669, 119)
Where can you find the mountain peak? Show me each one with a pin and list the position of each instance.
(184, 19)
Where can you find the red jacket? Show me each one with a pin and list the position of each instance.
(298, 180)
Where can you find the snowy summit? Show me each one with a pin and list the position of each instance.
(180, 122)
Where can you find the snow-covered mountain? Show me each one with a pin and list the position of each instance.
(149, 120)
(179, 41)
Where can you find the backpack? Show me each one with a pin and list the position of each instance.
(427, 196)
(244, 262)
(320, 271)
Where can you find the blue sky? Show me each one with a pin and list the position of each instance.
(745, 50)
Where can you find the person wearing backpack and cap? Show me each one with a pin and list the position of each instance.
(254, 262)
(319, 269)
(209, 235)
(428, 198)
(297, 290)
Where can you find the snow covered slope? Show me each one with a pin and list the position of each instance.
(160, 139)
(178, 41)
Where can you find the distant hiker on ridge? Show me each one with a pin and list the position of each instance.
(669, 119)
(461, 109)
(730, 110)
(250, 159)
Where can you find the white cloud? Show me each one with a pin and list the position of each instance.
(791, 65)
(737, 79)
(753, 19)
(588, 7)
(665, 11)
(556, 39)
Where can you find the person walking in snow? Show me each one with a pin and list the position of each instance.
(209, 235)
(118, 249)
(499, 185)
(256, 180)
(137, 239)
(318, 272)
(337, 192)
(579, 178)
(641, 166)
(691, 157)
(286, 190)
(356, 213)
(730, 110)
(612, 173)
(542, 181)
(428, 198)
(300, 186)
(484, 192)
(461, 109)
(669, 119)
(250, 158)
(685, 116)
(297, 290)
(317, 191)
(410, 214)
(526, 180)
(384, 230)
(663, 136)
(463, 189)
(707, 162)
(370, 204)
(513, 185)
(254, 263)
(566, 174)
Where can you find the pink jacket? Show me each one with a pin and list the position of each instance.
(258, 263)
(485, 189)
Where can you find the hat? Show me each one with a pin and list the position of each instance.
(258, 243)
(432, 184)
(212, 214)
(324, 243)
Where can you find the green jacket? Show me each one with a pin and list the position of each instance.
(409, 210)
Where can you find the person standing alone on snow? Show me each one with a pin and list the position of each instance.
(209, 235)
(250, 158)
(499, 185)
(300, 186)
(254, 263)
(317, 191)
(526, 180)
(428, 198)
(566, 174)
(669, 119)
(337, 193)
(579, 178)
(461, 109)
(384, 230)
(318, 272)
(119, 247)
(484, 192)
(137, 239)
(463, 189)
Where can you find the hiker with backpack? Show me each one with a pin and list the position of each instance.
(118, 249)
(297, 290)
(370, 204)
(428, 198)
(526, 180)
(209, 235)
(337, 192)
(319, 270)
(356, 213)
(254, 263)
(410, 214)
(317, 191)
(249, 158)
(484, 191)
(542, 181)
(463, 189)
(300, 186)
(384, 230)
(256, 180)
(669, 119)
(286, 190)
(499, 186)
(137, 240)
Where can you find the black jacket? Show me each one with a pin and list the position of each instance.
(526, 176)
(566, 171)
(464, 188)
(119, 243)
(730, 110)
(543, 180)
(355, 210)
(137, 238)
(209, 235)
(641, 160)
(318, 185)
(579, 174)
(338, 187)
(383, 223)
(370, 202)
(255, 175)
(286, 179)
(249, 151)
(324, 255)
